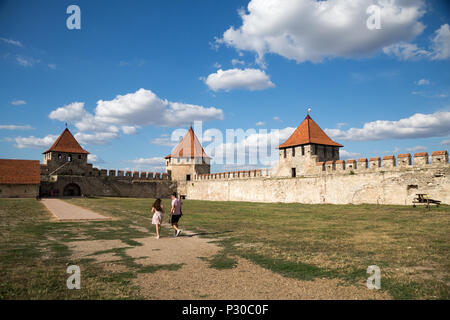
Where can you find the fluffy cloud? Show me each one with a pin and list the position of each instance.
(417, 126)
(143, 107)
(15, 127)
(260, 124)
(310, 30)
(93, 158)
(446, 142)
(18, 102)
(441, 43)
(70, 112)
(406, 51)
(96, 138)
(33, 142)
(249, 79)
(127, 113)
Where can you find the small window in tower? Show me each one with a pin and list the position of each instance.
(79, 156)
(294, 173)
(69, 158)
(293, 151)
(284, 153)
(303, 150)
(188, 177)
(59, 156)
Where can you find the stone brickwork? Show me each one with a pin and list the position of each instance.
(336, 182)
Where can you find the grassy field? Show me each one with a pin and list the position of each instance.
(410, 245)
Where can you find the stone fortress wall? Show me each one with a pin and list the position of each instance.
(388, 181)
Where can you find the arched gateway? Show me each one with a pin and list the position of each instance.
(72, 190)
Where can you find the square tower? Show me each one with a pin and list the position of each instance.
(304, 148)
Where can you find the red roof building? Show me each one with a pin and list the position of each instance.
(66, 142)
(189, 147)
(19, 171)
(308, 132)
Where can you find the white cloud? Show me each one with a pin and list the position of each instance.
(276, 118)
(406, 51)
(129, 129)
(154, 163)
(52, 66)
(260, 124)
(343, 154)
(26, 62)
(97, 138)
(33, 142)
(423, 82)
(310, 30)
(217, 65)
(18, 102)
(164, 140)
(143, 107)
(249, 79)
(417, 126)
(70, 112)
(15, 127)
(11, 41)
(416, 149)
(237, 61)
(129, 112)
(441, 43)
(446, 142)
(93, 158)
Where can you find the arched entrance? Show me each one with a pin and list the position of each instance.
(72, 190)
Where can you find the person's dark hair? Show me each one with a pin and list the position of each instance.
(157, 205)
(174, 194)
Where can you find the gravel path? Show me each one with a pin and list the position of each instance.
(196, 280)
(65, 211)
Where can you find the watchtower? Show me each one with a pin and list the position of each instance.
(187, 159)
(307, 145)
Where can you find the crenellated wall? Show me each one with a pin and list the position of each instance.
(387, 180)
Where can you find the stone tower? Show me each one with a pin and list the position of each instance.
(308, 144)
(66, 156)
(187, 159)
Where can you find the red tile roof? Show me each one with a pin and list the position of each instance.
(439, 153)
(375, 159)
(388, 157)
(404, 155)
(20, 171)
(189, 146)
(308, 132)
(66, 142)
(421, 154)
(362, 160)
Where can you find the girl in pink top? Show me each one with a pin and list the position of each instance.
(158, 212)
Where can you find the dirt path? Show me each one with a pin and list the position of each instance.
(69, 212)
(196, 280)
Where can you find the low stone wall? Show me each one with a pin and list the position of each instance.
(109, 187)
(396, 186)
(19, 190)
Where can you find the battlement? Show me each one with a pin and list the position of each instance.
(247, 174)
(404, 160)
(130, 175)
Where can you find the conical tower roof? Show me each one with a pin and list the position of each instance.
(66, 142)
(308, 132)
(189, 146)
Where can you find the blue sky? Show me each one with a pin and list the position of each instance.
(230, 63)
